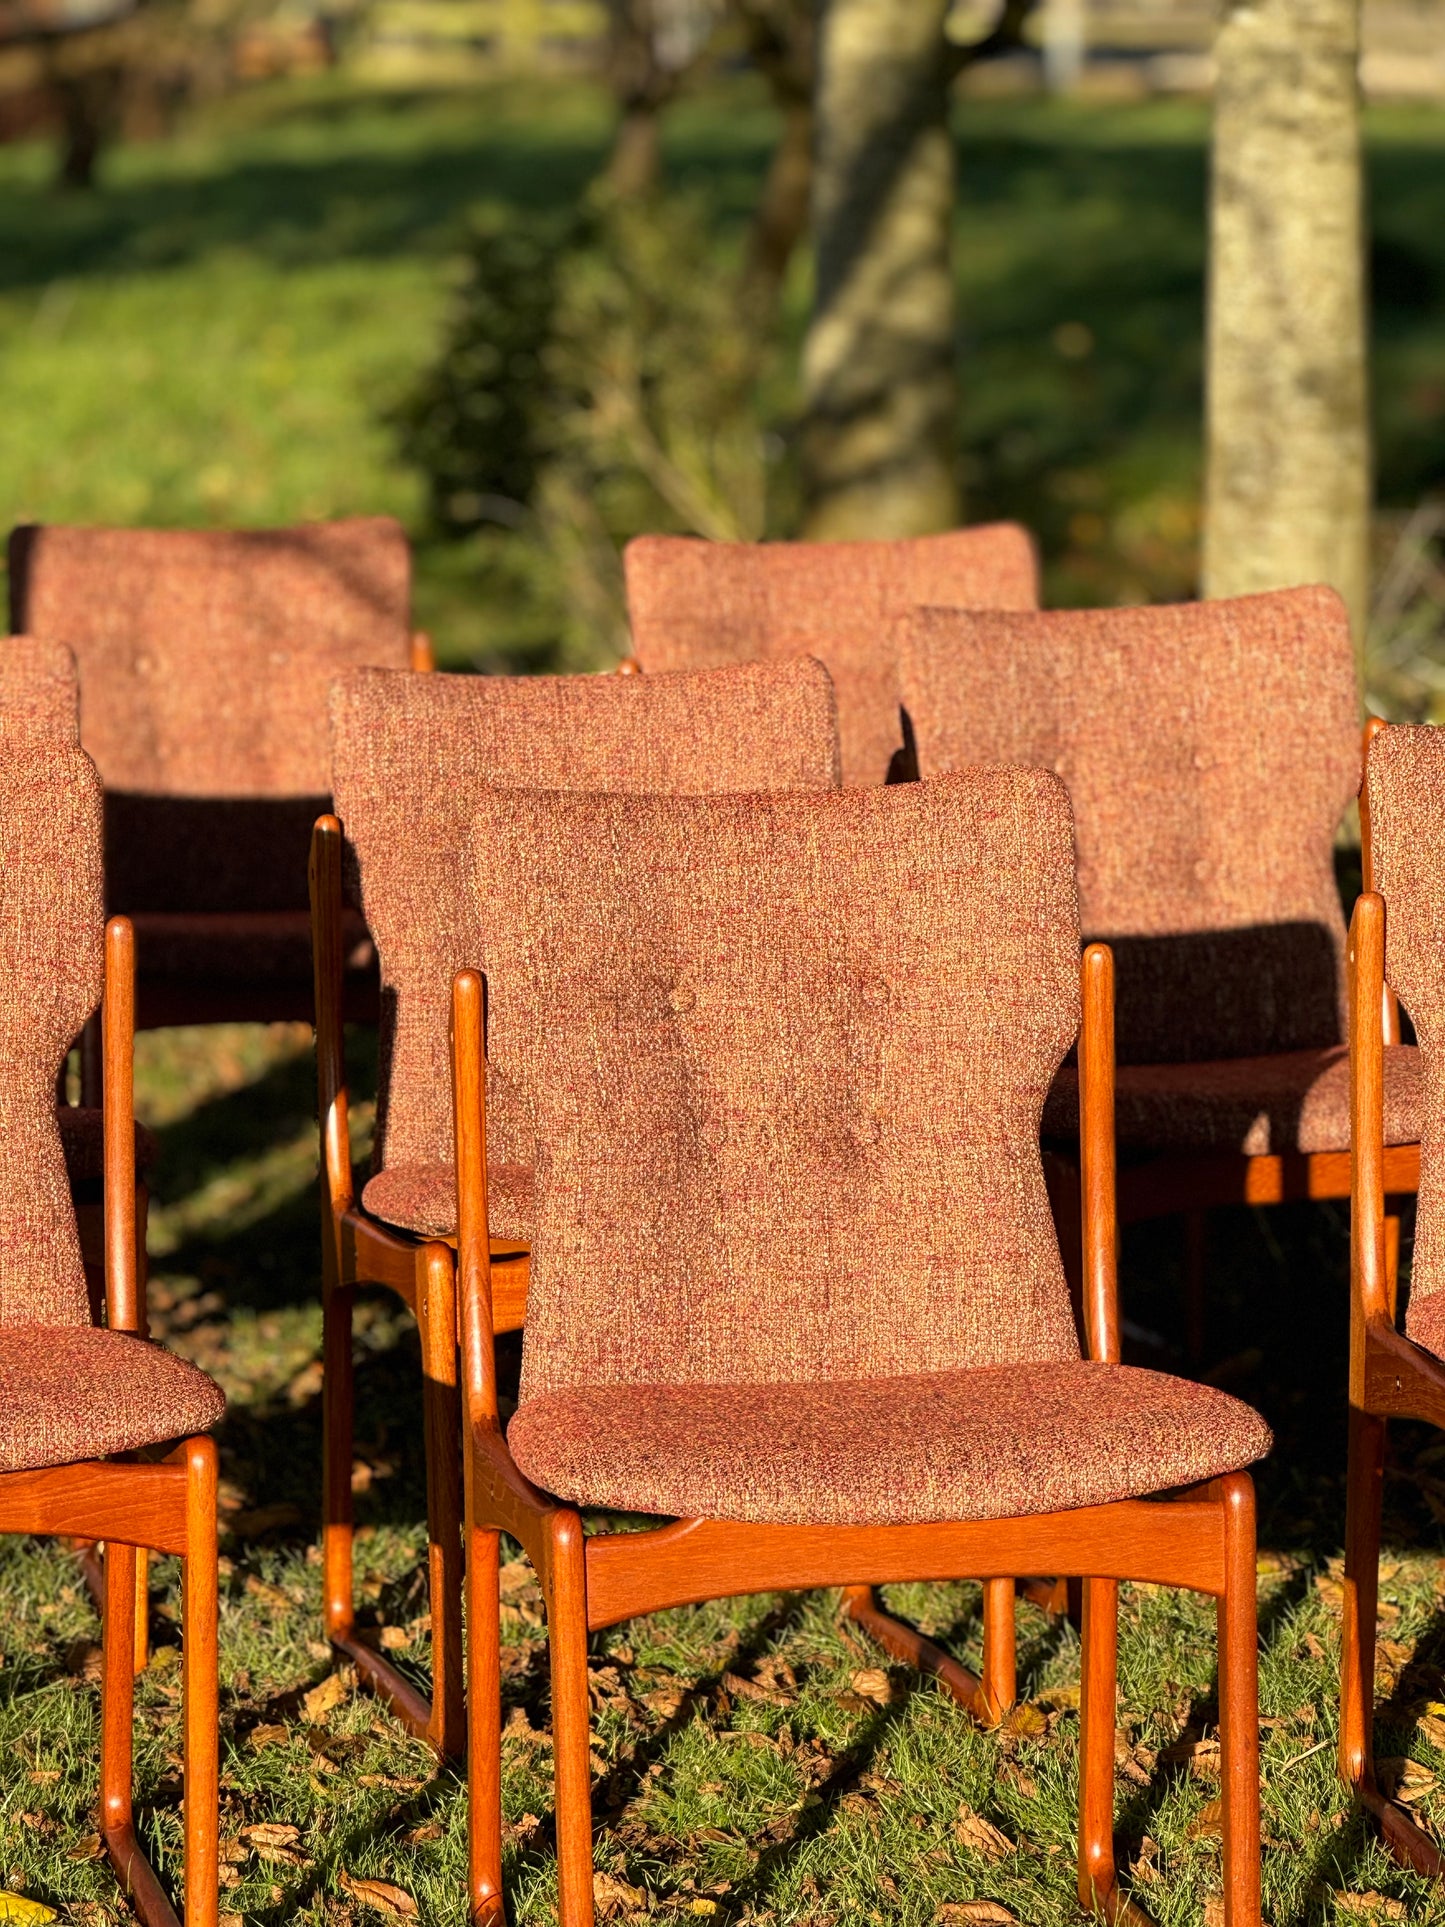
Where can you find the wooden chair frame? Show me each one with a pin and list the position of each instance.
(1202, 1539)
(168, 1507)
(358, 1249)
(1390, 1377)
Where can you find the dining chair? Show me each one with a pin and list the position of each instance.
(1397, 1368)
(795, 1287)
(80, 1397)
(409, 757)
(1211, 750)
(698, 605)
(204, 661)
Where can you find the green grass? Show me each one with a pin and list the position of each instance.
(753, 1760)
(217, 333)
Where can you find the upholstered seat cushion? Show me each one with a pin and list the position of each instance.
(241, 946)
(997, 1442)
(1425, 1322)
(423, 1198)
(82, 1138)
(73, 1392)
(1292, 1101)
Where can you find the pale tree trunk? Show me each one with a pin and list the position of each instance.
(1288, 438)
(880, 391)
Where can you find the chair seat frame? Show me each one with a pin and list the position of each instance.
(162, 1507)
(1203, 1540)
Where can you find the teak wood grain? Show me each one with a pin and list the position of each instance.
(1203, 1539)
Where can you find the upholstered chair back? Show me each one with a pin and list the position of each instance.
(51, 964)
(411, 755)
(696, 605)
(39, 692)
(1405, 791)
(205, 658)
(786, 1058)
(1210, 750)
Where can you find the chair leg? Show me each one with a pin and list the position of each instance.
(1097, 1697)
(201, 1686)
(338, 1433)
(484, 1729)
(903, 1643)
(566, 1587)
(1365, 1489)
(1239, 1705)
(1195, 1311)
(117, 1712)
(1000, 1674)
(437, 1321)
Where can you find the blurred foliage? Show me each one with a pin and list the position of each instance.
(598, 378)
(1405, 649)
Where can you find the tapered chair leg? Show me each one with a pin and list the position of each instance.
(338, 1427)
(1239, 1705)
(566, 1592)
(484, 1730)
(202, 1711)
(1365, 1491)
(1097, 1696)
(117, 1711)
(441, 1400)
(1000, 1666)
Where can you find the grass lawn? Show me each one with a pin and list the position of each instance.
(217, 333)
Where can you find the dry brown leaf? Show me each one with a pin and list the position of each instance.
(1375, 1906)
(990, 1913)
(1208, 1822)
(380, 1895)
(89, 1846)
(395, 1638)
(872, 1683)
(1404, 1780)
(1214, 1915)
(325, 1698)
(268, 1594)
(612, 1896)
(1025, 1722)
(1060, 1699)
(418, 1836)
(307, 1384)
(271, 1833)
(44, 1775)
(980, 1835)
(266, 1736)
(514, 1577)
(1431, 1729)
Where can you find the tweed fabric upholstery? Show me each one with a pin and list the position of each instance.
(1259, 1106)
(423, 1198)
(412, 754)
(205, 658)
(39, 690)
(786, 1058)
(82, 1143)
(1405, 788)
(51, 966)
(74, 1392)
(697, 605)
(1210, 751)
(999, 1442)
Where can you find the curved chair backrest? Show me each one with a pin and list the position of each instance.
(205, 657)
(51, 966)
(786, 1058)
(412, 754)
(39, 690)
(1210, 750)
(1405, 794)
(697, 605)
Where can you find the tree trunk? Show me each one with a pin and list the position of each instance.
(635, 164)
(1288, 438)
(781, 215)
(879, 383)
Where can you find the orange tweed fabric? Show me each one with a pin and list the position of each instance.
(1405, 786)
(1293, 1101)
(39, 692)
(82, 1142)
(1209, 751)
(786, 1058)
(77, 1393)
(423, 1198)
(411, 755)
(696, 605)
(1002, 1442)
(50, 980)
(205, 659)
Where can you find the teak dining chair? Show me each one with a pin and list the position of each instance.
(410, 757)
(1397, 937)
(795, 1285)
(76, 1394)
(204, 660)
(698, 605)
(1210, 750)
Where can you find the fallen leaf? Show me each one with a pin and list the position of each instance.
(380, 1895)
(1431, 1729)
(514, 1577)
(1061, 1699)
(307, 1383)
(872, 1683)
(262, 1736)
(1404, 1780)
(15, 1906)
(271, 1833)
(84, 1659)
(1208, 1823)
(395, 1638)
(759, 1690)
(663, 1704)
(702, 1906)
(1377, 1906)
(44, 1775)
(989, 1912)
(418, 1836)
(980, 1835)
(612, 1896)
(325, 1698)
(268, 1594)
(1024, 1722)
(1214, 1915)
(89, 1846)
